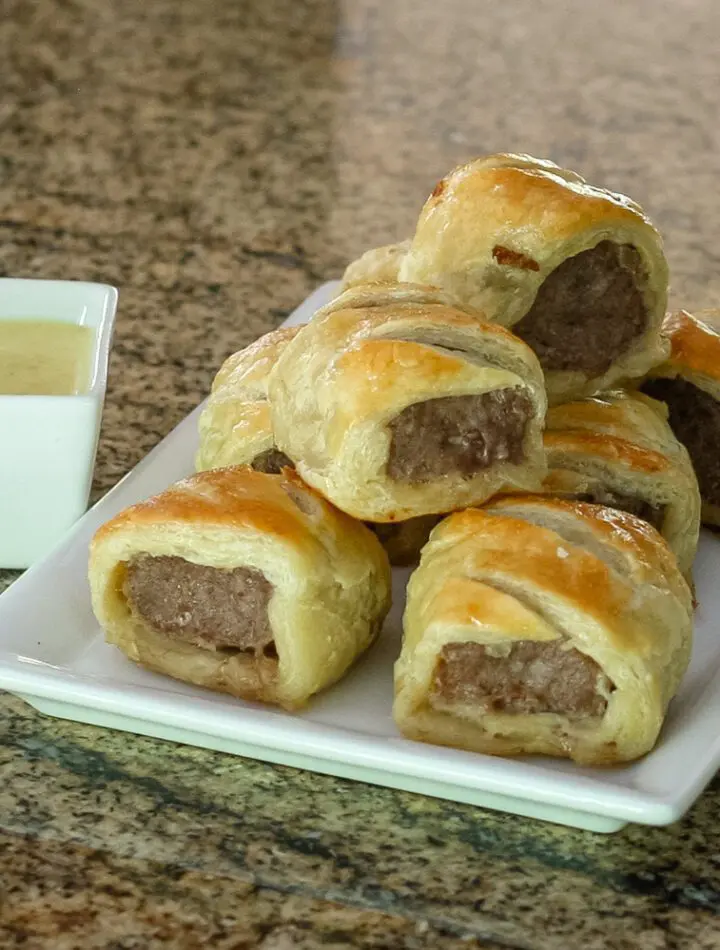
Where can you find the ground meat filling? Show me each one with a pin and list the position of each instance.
(588, 310)
(206, 606)
(653, 514)
(464, 434)
(531, 678)
(695, 420)
(272, 462)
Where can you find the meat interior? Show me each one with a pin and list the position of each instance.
(532, 678)
(464, 434)
(272, 462)
(588, 310)
(653, 514)
(206, 606)
(695, 420)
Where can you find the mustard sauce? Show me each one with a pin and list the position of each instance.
(44, 358)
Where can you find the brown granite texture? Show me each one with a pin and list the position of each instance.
(123, 830)
(216, 160)
(64, 895)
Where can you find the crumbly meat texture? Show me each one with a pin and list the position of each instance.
(532, 678)
(207, 606)
(463, 434)
(695, 420)
(588, 310)
(272, 462)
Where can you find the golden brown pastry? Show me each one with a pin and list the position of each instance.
(235, 429)
(235, 426)
(578, 272)
(543, 626)
(617, 449)
(243, 582)
(404, 540)
(378, 264)
(395, 404)
(689, 382)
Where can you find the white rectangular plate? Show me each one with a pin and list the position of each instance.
(52, 654)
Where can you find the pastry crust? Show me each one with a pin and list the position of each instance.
(329, 575)
(620, 444)
(404, 540)
(537, 570)
(235, 426)
(694, 340)
(362, 360)
(694, 348)
(494, 229)
(235, 429)
(378, 264)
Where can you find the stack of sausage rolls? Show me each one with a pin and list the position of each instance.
(500, 402)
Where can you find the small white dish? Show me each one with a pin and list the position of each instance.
(53, 654)
(48, 443)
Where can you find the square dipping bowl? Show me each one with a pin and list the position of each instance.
(48, 443)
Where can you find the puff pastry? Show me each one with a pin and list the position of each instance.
(378, 264)
(689, 382)
(578, 272)
(243, 582)
(404, 540)
(234, 426)
(543, 626)
(617, 449)
(235, 429)
(395, 404)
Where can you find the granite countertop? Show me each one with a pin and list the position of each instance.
(216, 161)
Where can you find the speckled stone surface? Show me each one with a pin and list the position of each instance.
(65, 895)
(216, 161)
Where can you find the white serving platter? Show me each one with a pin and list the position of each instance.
(52, 654)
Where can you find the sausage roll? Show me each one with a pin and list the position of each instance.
(543, 626)
(235, 429)
(235, 426)
(617, 449)
(243, 582)
(578, 272)
(404, 540)
(395, 404)
(378, 264)
(689, 382)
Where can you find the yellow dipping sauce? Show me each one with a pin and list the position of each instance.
(44, 358)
